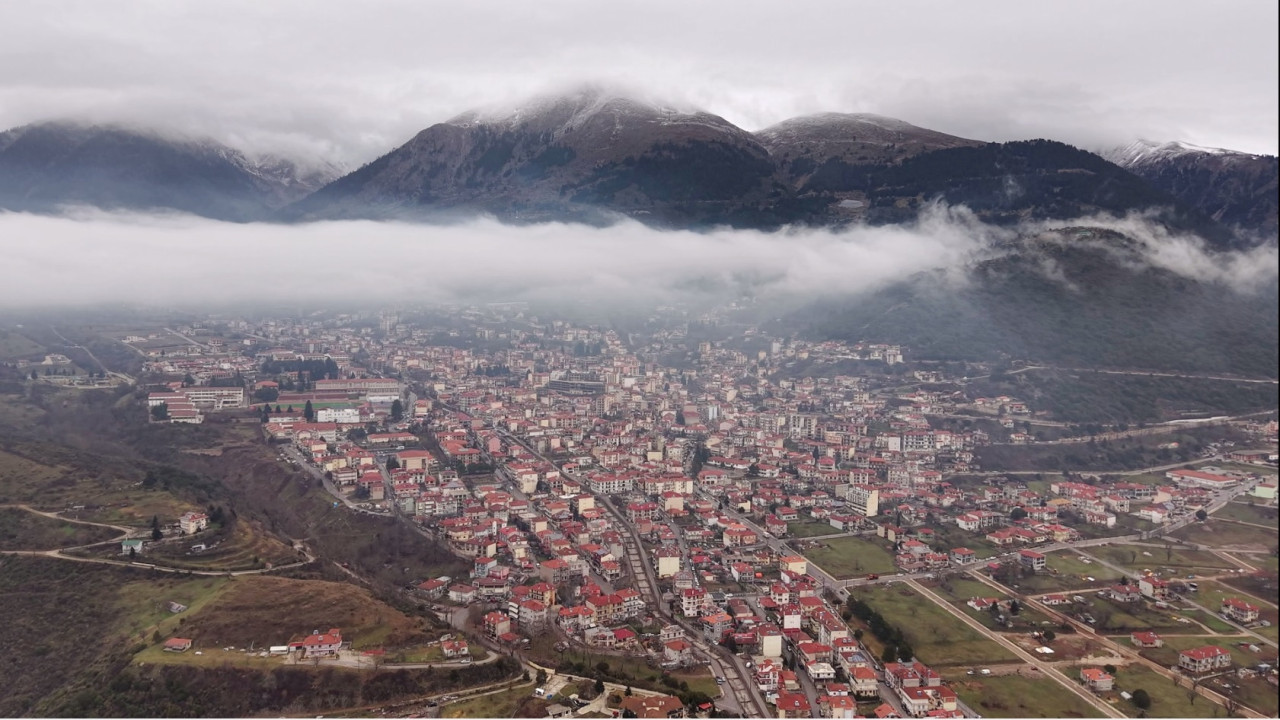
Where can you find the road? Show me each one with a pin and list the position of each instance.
(746, 696)
(94, 358)
(1046, 668)
(1115, 648)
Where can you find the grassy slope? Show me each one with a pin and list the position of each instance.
(23, 530)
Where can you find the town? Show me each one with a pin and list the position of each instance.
(772, 509)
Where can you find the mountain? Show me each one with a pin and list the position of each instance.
(1078, 297)
(801, 145)
(49, 165)
(595, 154)
(585, 154)
(1236, 189)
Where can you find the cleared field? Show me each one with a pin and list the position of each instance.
(936, 636)
(1244, 512)
(144, 606)
(1132, 556)
(1023, 696)
(850, 556)
(1228, 534)
(810, 529)
(24, 530)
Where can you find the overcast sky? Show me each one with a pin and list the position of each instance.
(349, 81)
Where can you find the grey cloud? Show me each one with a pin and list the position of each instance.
(349, 81)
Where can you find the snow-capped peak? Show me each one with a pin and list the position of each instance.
(1142, 152)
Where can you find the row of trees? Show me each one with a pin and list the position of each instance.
(896, 647)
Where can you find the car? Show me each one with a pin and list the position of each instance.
(719, 679)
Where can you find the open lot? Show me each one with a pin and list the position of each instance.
(959, 591)
(1242, 657)
(1072, 573)
(937, 637)
(1133, 557)
(24, 530)
(1167, 699)
(810, 529)
(1029, 695)
(1211, 595)
(1244, 512)
(850, 556)
(504, 703)
(1220, 534)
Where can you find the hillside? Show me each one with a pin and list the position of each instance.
(1237, 189)
(46, 166)
(1077, 298)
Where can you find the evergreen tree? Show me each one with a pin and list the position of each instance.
(309, 412)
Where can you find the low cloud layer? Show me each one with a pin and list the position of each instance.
(93, 257)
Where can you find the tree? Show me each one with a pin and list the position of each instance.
(599, 686)
(309, 412)
(541, 677)
(1049, 635)
(1141, 699)
(1014, 607)
(393, 463)
(905, 653)
(890, 654)
(1201, 515)
(397, 410)
(1017, 514)
(628, 693)
(160, 412)
(156, 534)
(1109, 669)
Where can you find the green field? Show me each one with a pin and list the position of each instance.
(1242, 657)
(1131, 556)
(1033, 696)
(1167, 699)
(959, 591)
(810, 529)
(936, 635)
(1228, 534)
(503, 703)
(1211, 595)
(850, 556)
(1070, 575)
(1250, 513)
(24, 530)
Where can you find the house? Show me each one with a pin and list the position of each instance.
(321, 644)
(1096, 679)
(496, 623)
(1031, 560)
(193, 522)
(1204, 659)
(1154, 588)
(1124, 593)
(1146, 639)
(793, 705)
(653, 706)
(177, 645)
(1239, 610)
(462, 593)
(132, 546)
(455, 649)
(837, 706)
(963, 556)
